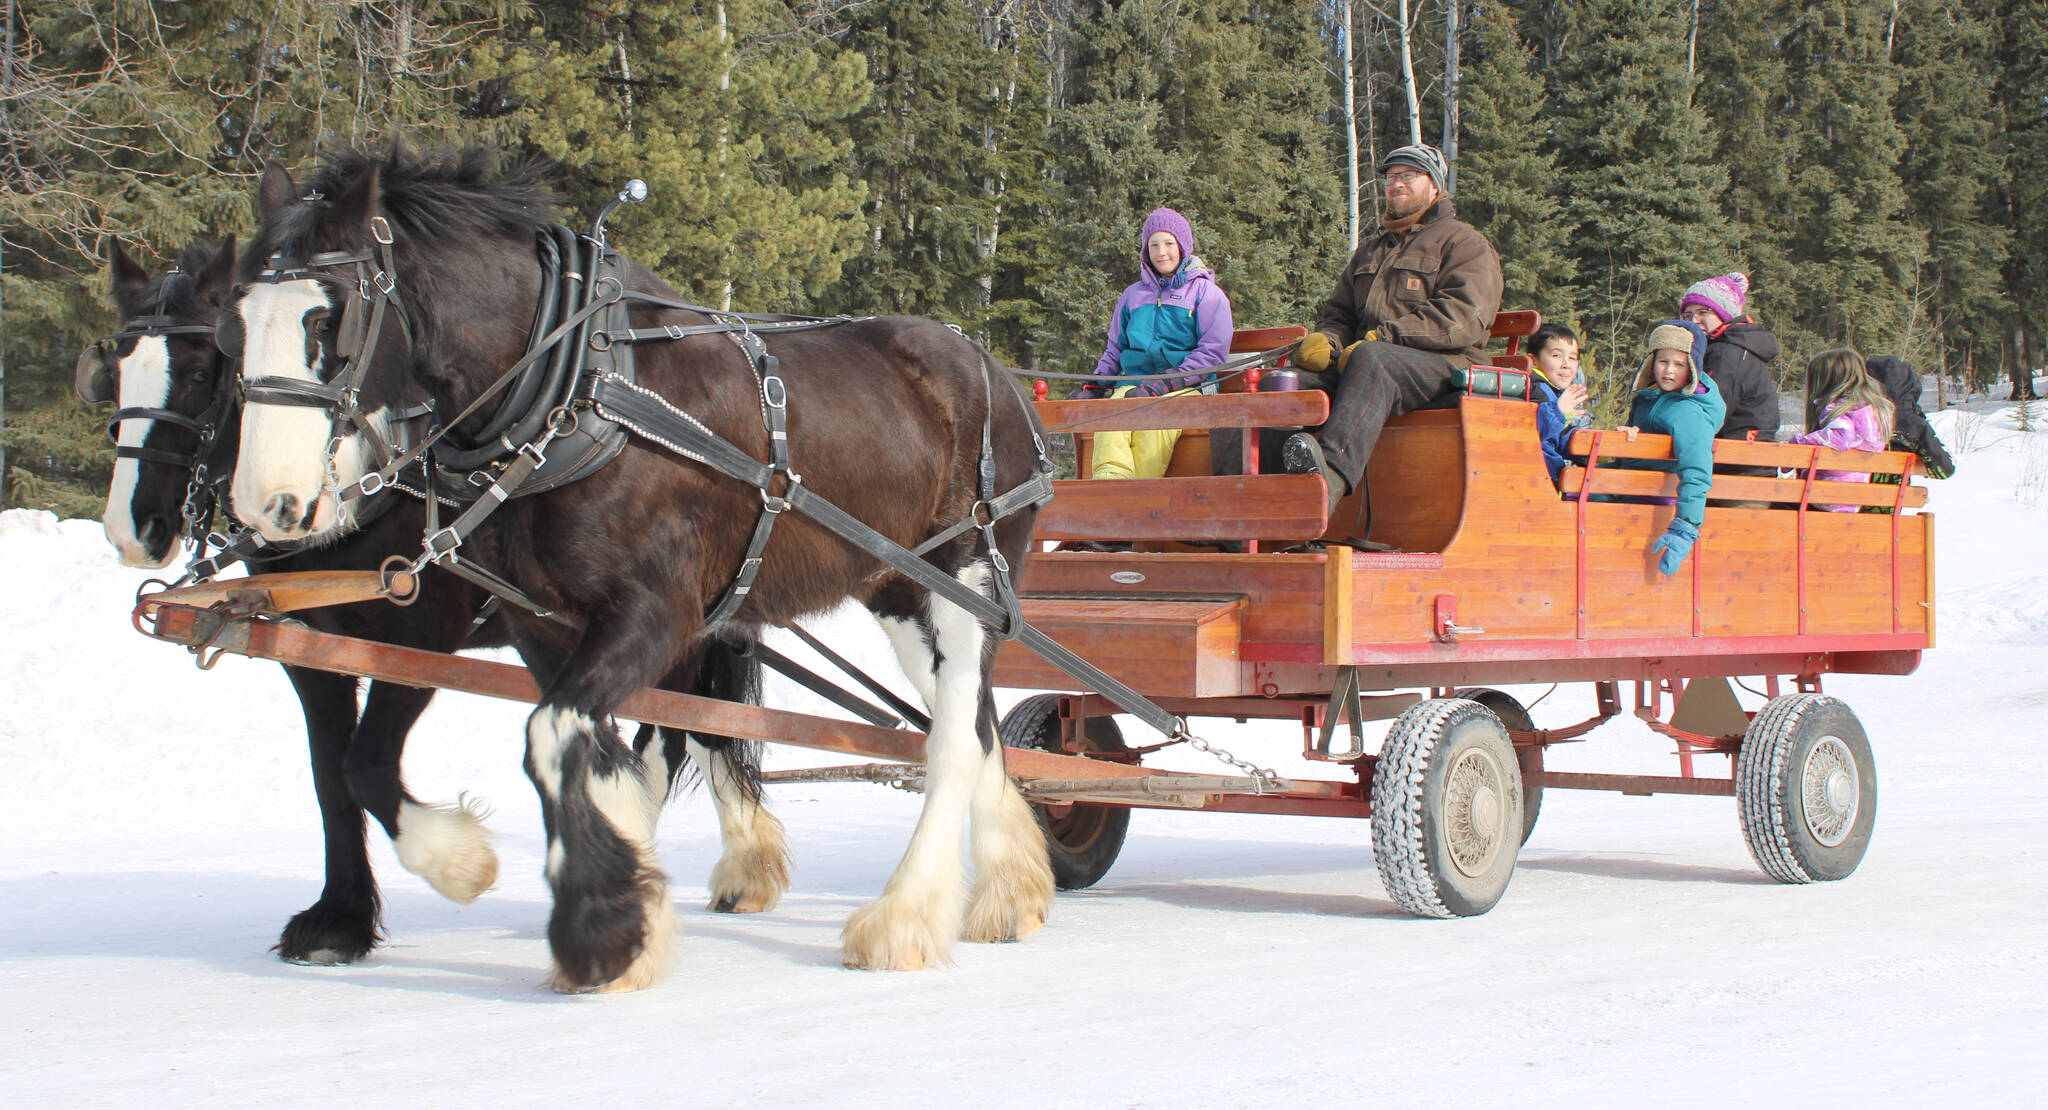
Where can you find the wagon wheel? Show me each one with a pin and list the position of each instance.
(1083, 839)
(1446, 803)
(1806, 789)
(1516, 719)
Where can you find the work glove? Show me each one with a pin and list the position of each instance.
(1314, 352)
(1673, 546)
(1088, 393)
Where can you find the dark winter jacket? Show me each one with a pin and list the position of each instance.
(1910, 430)
(1739, 360)
(1435, 289)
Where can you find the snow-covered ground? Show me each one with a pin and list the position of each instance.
(159, 827)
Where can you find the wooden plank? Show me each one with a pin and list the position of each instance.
(1337, 604)
(1790, 456)
(1214, 410)
(1740, 487)
(1225, 507)
(1515, 325)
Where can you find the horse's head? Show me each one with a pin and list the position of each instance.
(172, 390)
(321, 329)
(334, 317)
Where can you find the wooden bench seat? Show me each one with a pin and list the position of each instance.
(1227, 507)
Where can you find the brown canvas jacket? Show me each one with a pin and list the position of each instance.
(1435, 289)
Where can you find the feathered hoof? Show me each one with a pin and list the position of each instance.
(1010, 902)
(889, 934)
(322, 936)
(752, 876)
(449, 847)
(647, 966)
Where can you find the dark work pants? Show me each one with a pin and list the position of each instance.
(1382, 381)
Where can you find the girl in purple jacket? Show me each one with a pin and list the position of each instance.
(1174, 317)
(1847, 410)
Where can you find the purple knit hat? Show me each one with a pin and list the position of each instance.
(1724, 295)
(1166, 219)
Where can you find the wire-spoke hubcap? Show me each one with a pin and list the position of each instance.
(1475, 811)
(1829, 791)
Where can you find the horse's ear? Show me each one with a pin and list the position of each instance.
(276, 192)
(215, 278)
(128, 274)
(358, 205)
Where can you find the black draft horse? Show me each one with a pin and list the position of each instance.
(170, 381)
(886, 420)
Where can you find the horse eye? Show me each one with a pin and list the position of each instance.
(199, 377)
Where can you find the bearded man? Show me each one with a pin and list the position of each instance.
(1412, 307)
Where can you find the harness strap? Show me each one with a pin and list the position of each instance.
(653, 418)
(775, 416)
(685, 331)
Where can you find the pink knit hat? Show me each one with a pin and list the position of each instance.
(1724, 295)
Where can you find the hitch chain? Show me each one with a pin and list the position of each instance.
(1262, 777)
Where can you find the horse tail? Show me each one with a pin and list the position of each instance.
(728, 672)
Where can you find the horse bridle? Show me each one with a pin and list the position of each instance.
(374, 282)
(205, 427)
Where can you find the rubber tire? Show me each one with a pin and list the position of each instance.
(1084, 842)
(1515, 718)
(1768, 788)
(1409, 787)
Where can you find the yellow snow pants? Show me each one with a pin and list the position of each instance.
(1142, 454)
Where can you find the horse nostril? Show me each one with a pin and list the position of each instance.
(283, 510)
(151, 534)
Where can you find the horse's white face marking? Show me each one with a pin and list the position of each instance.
(280, 486)
(145, 382)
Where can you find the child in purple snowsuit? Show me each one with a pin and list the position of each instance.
(1174, 317)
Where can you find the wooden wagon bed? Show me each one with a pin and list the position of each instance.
(1496, 575)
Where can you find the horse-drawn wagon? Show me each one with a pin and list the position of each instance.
(1457, 567)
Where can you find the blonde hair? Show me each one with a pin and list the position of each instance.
(1838, 381)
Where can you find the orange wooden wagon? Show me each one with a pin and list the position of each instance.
(1458, 567)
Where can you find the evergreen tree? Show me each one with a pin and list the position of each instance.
(1642, 186)
(936, 147)
(1951, 164)
(1850, 247)
(1741, 92)
(1507, 175)
(734, 113)
(2022, 92)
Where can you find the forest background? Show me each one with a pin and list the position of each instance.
(1877, 168)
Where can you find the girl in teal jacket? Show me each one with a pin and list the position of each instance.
(1674, 398)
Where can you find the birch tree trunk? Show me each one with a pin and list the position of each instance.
(725, 59)
(1450, 132)
(1406, 25)
(1350, 79)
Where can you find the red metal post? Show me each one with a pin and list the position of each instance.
(1805, 501)
(1585, 491)
(1898, 509)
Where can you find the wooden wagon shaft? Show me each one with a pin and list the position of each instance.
(303, 647)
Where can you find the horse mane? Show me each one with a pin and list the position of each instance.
(450, 195)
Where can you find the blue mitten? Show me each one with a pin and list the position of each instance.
(1675, 544)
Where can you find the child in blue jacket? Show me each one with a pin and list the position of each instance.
(1174, 317)
(1675, 398)
(1559, 394)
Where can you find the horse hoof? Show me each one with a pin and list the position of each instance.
(889, 935)
(751, 876)
(449, 847)
(320, 936)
